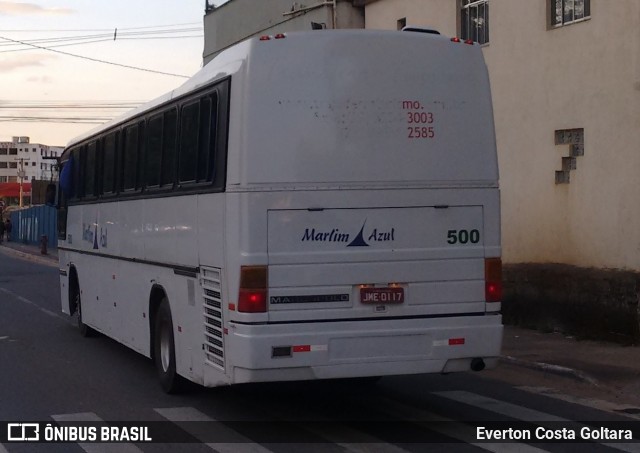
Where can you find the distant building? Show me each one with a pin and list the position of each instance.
(36, 160)
(238, 20)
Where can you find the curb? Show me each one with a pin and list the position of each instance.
(53, 262)
(552, 369)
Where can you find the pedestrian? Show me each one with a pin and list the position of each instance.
(8, 227)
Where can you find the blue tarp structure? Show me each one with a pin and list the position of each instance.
(31, 223)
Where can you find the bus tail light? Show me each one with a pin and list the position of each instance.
(493, 279)
(252, 297)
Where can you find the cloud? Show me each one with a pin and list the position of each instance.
(15, 9)
(10, 64)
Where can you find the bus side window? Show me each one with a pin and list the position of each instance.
(78, 171)
(154, 151)
(198, 125)
(189, 137)
(109, 164)
(130, 158)
(207, 141)
(169, 147)
(90, 170)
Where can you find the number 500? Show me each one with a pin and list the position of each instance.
(463, 236)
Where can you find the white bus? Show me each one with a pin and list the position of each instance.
(309, 205)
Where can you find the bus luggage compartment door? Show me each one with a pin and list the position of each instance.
(405, 261)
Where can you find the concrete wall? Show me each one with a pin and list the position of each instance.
(577, 76)
(238, 20)
(436, 14)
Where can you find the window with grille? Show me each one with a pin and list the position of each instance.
(564, 12)
(475, 20)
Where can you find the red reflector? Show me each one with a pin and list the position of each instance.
(456, 341)
(280, 36)
(252, 301)
(469, 41)
(493, 279)
(265, 38)
(493, 291)
(456, 39)
(232, 307)
(302, 348)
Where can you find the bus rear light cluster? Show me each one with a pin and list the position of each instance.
(493, 279)
(252, 297)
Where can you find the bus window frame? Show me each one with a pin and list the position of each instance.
(220, 88)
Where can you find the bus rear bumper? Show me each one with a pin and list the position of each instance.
(306, 351)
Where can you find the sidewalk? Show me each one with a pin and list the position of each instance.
(586, 369)
(530, 358)
(30, 252)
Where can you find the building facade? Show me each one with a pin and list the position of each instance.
(238, 20)
(32, 161)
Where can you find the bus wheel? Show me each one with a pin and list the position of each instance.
(84, 329)
(164, 349)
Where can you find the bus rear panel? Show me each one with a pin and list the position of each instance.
(362, 209)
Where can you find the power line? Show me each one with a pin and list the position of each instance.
(75, 112)
(102, 40)
(95, 59)
(51, 119)
(98, 29)
(111, 35)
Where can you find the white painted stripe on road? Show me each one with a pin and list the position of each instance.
(190, 414)
(99, 447)
(33, 304)
(523, 414)
(602, 405)
(446, 426)
(500, 407)
(3, 450)
(338, 434)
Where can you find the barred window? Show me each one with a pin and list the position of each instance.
(564, 12)
(475, 20)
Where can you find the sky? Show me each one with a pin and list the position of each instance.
(36, 83)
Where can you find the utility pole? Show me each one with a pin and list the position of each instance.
(21, 175)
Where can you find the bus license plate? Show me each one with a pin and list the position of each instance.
(382, 295)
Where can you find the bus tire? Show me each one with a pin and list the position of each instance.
(164, 349)
(84, 329)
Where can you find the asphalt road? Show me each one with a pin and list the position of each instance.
(48, 373)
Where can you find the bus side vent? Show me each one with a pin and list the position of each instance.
(213, 322)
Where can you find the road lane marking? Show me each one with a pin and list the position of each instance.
(338, 434)
(3, 450)
(180, 415)
(33, 304)
(603, 405)
(98, 447)
(443, 425)
(524, 414)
